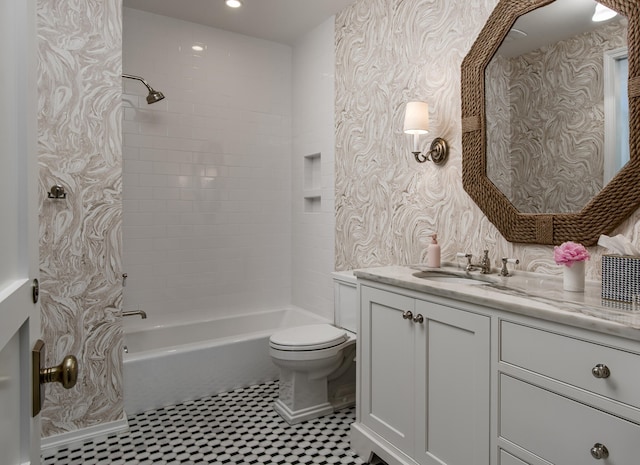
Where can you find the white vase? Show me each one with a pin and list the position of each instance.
(574, 277)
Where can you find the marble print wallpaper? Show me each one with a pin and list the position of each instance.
(79, 147)
(554, 102)
(389, 52)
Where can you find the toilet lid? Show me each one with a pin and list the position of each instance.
(311, 337)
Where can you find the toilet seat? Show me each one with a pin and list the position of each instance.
(310, 337)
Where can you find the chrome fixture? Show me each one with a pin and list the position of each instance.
(601, 371)
(416, 122)
(124, 279)
(484, 266)
(599, 451)
(125, 349)
(408, 315)
(504, 271)
(154, 95)
(57, 192)
(135, 312)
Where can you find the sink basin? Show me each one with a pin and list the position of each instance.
(452, 278)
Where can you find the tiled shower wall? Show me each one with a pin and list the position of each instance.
(207, 171)
(313, 134)
(389, 52)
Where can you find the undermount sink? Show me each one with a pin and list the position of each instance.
(452, 278)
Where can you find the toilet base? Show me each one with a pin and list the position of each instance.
(293, 417)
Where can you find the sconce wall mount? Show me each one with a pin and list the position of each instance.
(438, 152)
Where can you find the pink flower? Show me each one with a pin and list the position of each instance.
(570, 252)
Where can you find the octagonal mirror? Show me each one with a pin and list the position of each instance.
(550, 106)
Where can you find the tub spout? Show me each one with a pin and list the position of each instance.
(135, 312)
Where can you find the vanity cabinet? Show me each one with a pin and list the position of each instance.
(567, 397)
(424, 381)
(445, 381)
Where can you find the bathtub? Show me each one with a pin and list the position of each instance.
(166, 365)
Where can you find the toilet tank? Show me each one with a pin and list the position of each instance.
(345, 300)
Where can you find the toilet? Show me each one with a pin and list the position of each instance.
(317, 362)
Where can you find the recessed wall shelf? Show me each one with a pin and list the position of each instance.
(312, 183)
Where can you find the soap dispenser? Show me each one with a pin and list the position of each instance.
(433, 253)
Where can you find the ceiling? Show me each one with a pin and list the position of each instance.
(276, 20)
(550, 24)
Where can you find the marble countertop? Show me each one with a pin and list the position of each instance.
(533, 294)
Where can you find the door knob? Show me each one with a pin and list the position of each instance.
(418, 319)
(407, 315)
(66, 374)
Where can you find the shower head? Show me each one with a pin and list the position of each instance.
(154, 95)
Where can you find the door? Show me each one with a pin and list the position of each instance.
(19, 315)
(452, 386)
(386, 338)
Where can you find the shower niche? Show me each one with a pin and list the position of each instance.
(312, 183)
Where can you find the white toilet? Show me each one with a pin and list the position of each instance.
(317, 362)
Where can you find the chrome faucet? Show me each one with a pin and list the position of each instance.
(504, 271)
(135, 312)
(484, 266)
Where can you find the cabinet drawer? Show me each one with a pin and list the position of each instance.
(571, 361)
(561, 430)
(508, 459)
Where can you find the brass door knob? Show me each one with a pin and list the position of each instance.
(66, 373)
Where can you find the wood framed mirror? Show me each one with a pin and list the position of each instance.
(611, 203)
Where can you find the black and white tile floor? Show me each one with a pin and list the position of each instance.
(238, 427)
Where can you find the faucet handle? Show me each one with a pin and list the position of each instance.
(468, 256)
(504, 271)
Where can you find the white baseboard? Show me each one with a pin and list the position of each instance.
(57, 441)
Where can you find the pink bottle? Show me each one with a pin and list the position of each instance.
(433, 253)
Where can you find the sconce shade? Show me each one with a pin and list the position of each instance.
(416, 118)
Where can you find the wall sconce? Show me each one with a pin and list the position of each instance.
(416, 122)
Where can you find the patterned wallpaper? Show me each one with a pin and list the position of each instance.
(79, 147)
(390, 52)
(555, 102)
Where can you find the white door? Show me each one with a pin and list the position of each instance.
(19, 316)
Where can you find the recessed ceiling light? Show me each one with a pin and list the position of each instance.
(233, 3)
(197, 48)
(602, 13)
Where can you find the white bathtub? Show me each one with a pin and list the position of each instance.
(166, 365)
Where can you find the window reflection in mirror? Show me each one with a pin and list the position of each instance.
(545, 109)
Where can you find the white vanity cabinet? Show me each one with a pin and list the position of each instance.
(464, 375)
(567, 396)
(424, 381)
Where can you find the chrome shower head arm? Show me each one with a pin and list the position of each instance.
(154, 95)
(138, 78)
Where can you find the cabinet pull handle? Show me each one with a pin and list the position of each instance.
(599, 451)
(407, 315)
(601, 371)
(418, 319)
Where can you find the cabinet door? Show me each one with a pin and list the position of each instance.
(452, 386)
(387, 366)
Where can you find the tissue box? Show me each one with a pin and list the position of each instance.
(620, 277)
